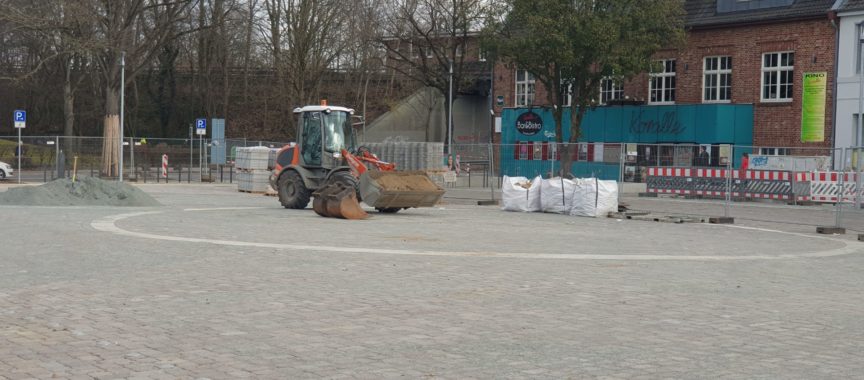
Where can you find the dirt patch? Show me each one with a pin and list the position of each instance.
(87, 191)
(406, 181)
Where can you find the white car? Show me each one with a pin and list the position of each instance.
(5, 170)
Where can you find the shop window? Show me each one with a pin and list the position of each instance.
(582, 152)
(610, 89)
(538, 151)
(661, 86)
(778, 76)
(717, 79)
(524, 88)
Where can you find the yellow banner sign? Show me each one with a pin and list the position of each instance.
(813, 107)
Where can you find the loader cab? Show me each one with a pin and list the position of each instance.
(323, 131)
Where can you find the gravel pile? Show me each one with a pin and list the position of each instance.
(87, 191)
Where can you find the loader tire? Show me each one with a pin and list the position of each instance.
(292, 191)
(348, 179)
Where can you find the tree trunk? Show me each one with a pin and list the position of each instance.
(68, 107)
(566, 151)
(111, 132)
(68, 114)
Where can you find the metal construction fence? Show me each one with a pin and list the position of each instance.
(822, 181)
(43, 158)
(829, 180)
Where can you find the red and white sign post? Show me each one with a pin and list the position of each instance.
(164, 166)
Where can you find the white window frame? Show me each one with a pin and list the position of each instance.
(774, 151)
(428, 50)
(617, 87)
(459, 50)
(663, 75)
(859, 46)
(777, 70)
(530, 85)
(568, 100)
(717, 73)
(481, 55)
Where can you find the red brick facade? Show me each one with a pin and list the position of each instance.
(775, 124)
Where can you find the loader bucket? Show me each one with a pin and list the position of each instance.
(395, 190)
(338, 201)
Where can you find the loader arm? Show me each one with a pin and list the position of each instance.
(358, 162)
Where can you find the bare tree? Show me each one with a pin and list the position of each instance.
(138, 28)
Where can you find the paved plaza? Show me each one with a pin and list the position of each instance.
(224, 285)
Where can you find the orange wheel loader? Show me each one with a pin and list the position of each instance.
(327, 165)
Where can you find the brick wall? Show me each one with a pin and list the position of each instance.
(775, 124)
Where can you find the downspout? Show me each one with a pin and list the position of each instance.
(832, 15)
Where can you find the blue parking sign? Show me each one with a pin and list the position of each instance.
(201, 126)
(20, 118)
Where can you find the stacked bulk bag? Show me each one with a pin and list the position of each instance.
(594, 198)
(520, 194)
(556, 195)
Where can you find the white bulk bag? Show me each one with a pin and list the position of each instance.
(556, 195)
(517, 198)
(594, 198)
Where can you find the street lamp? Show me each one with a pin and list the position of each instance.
(450, 113)
(122, 95)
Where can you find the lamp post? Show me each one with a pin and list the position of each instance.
(122, 100)
(450, 113)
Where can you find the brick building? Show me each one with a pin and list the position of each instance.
(751, 54)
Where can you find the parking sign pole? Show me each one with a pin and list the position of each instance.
(20, 153)
(20, 118)
(191, 154)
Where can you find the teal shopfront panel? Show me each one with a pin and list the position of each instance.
(528, 134)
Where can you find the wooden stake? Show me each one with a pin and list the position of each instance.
(74, 169)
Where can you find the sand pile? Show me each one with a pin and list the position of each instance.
(87, 191)
(404, 181)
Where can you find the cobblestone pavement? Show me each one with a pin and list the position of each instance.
(196, 290)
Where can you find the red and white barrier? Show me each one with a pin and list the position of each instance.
(830, 187)
(826, 186)
(764, 175)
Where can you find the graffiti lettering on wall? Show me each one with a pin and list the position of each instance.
(668, 124)
(759, 161)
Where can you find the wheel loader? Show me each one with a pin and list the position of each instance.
(326, 164)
